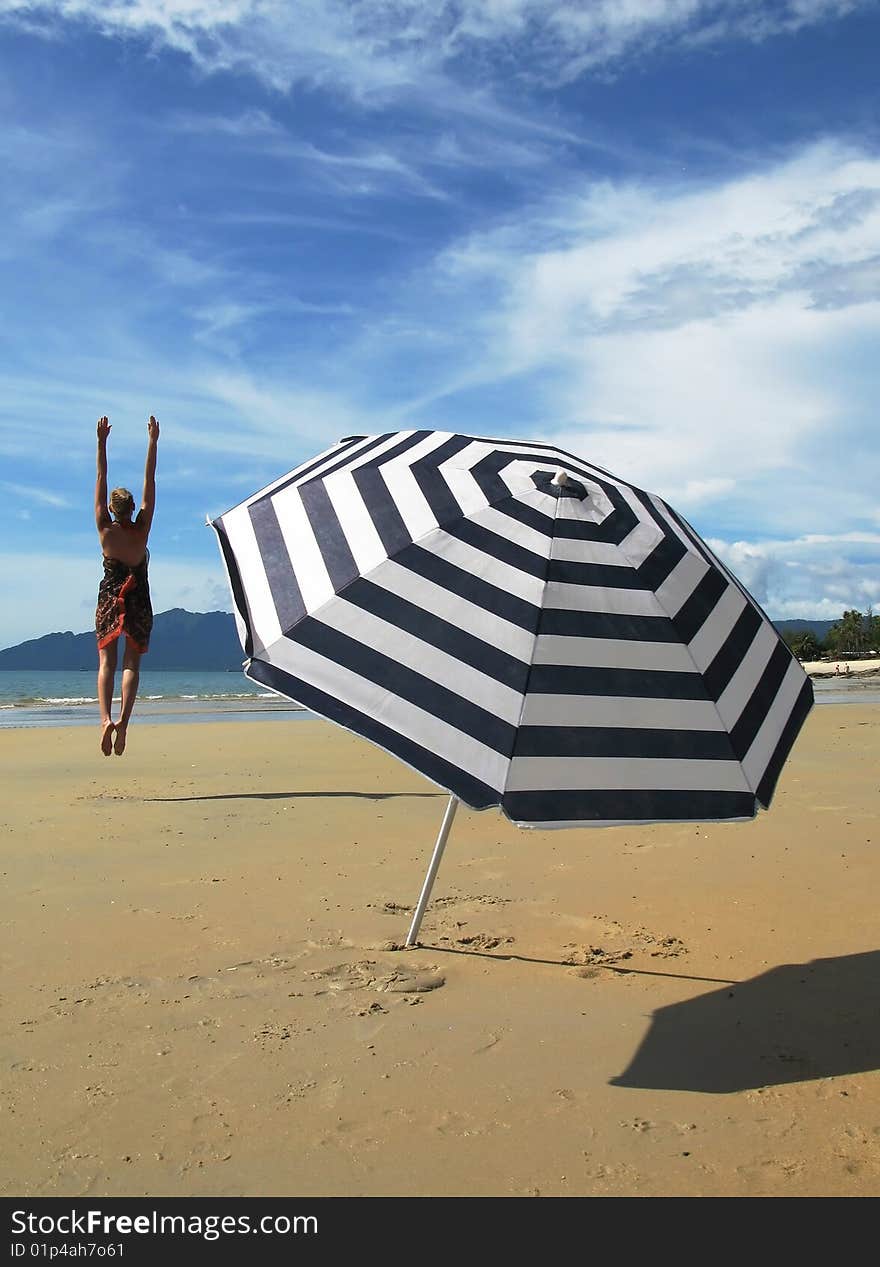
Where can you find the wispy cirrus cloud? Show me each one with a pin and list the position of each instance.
(35, 495)
(362, 170)
(382, 47)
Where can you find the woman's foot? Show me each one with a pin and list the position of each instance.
(107, 737)
(119, 741)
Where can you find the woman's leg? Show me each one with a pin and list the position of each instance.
(131, 666)
(106, 677)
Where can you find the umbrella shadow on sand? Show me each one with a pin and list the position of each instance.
(795, 1023)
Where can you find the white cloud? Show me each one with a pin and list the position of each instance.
(716, 346)
(811, 576)
(247, 126)
(608, 30)
(625, 256)
(284, 420)
(215, 322)
(30, 493)
(355, 170)
(857, 538)
(381, 47)
(687, 337)
(696, 491)
(732, 399)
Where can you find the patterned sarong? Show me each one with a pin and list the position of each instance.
(124, 604)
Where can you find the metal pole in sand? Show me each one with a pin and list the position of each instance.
(432, 872)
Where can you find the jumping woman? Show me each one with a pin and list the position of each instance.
(124, 593)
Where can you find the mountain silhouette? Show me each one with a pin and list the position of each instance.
(205, 641)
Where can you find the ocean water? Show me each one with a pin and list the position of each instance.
(855, 690)
(60, 697)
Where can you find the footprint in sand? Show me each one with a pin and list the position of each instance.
(460, 1125)
(415, 981)
(480, 941)
(619, 946)
(346, 976)
(372, 1009)
(485, 899)
(639, 1124)
(664, 947)
(593, 957)
(369, 974)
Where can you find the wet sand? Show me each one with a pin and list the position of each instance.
(202, 993)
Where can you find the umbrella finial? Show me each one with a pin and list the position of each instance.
(560, 479)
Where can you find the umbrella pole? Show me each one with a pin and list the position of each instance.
(432, 872)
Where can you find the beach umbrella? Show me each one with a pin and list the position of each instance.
(517, 624)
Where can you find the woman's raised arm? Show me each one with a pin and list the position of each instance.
(148, 501)
(102, 514)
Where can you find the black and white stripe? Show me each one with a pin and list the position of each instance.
(574, 654)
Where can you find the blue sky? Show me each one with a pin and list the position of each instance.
(647, 230)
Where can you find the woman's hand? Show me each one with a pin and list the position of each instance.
(103, 428)
(153, 428)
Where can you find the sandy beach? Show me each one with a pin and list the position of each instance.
(868, 668)
(203, 992)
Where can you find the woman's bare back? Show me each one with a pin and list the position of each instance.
(125, 542)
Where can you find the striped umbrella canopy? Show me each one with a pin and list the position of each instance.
(519, 625)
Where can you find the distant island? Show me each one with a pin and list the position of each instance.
(208, 641)
(191, 641)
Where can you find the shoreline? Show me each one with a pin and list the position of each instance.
(151, 712)
(861, 688)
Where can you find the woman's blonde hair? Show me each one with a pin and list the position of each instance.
(121, 503)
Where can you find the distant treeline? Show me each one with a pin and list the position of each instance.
(855, 634)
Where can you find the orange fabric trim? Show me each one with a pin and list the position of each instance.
(127, 584)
